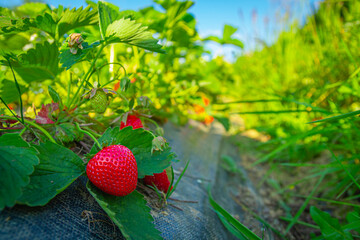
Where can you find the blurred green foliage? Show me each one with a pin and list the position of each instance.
(309, 74)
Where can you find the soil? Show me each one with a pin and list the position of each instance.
(276, 203)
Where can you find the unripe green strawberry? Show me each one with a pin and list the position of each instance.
(99, 101)
(113, 170)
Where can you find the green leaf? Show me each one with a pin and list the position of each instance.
(37, 64)
(11, 25)
(229, 164)
(305, 203)
(226, 39)
(17, 160)
(338, 117)
(108, 13)
(75, 18)
(181, 35)
(5, 12)
(46, 23)
(32, 9)
(354, 222)
(224, 121)
(61, 21)
(8, 91)
(288, 142)
(58, 168)
(54, 95)
(67, 132)
(231, 223)
(230, 227)
(68, 59)
(125, 83)
(131, 103)
(228, 31)
(172, 189)
(235, 42)
(139, 141)
(130, 32)
(330, 227)
(213, 38)
(115, 28)
(176, 11)
(30, 74)
(129, 213)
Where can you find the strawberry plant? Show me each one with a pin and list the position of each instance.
(36, 160)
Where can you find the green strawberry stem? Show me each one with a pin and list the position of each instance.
(117, 73)
(106, 64)
(152, 121)
(18, 88)
(2, 100)
(123, 97)
(87, 73)
(69, 89)
(89, 134)
(22, 131)
(152, 134)
(46, 133)
(25, 126)
(92, 132)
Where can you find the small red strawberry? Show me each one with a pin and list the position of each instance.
(113, 170)
(160, 180)
(133, 121)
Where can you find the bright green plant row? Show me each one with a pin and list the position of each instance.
(303, 93)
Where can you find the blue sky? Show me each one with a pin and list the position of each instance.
(256, 19)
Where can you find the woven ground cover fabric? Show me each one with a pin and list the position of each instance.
(74, 214)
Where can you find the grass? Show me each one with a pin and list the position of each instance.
(308, 88)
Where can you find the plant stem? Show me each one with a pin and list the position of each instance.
(87, 73)
(69, 90)
(152, 121)
(93, 133)
(46, 133)
(22, 131)
(15, 116)
(136, 56)
(89, 134)
(19, 91)
(2, 100)
(123, 97)
(113, 63)
(300, 222)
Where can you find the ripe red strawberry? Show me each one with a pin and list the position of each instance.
(160, 180)
(133, 121)
(113, 170)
